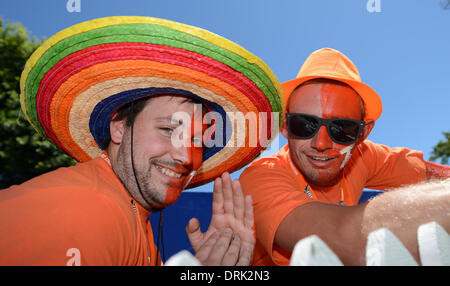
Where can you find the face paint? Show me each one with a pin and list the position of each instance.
(193, 149)
(348, 153)
(162, 170)
(339, 101)
(319, 159)
(189, 178)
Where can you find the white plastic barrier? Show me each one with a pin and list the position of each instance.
(383, 249)
(312, 251)
(434, 245)
(183, 258)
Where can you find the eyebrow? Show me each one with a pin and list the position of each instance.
(167, 119)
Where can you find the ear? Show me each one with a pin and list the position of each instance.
(117, 129)
(366, 131)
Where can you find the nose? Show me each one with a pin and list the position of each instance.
(181, 155)
(188, 155)
(322, 141)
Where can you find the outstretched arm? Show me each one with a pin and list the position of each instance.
(437, 171)
(229, 239)
(345, 229)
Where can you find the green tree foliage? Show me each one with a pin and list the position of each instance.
(442, 149)
(23, 153)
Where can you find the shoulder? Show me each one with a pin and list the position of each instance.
(83, 175)
(74, 196)
(92, 177)
(368, 147)
(276, 162)
(389, 167)
(369, 154)
(379, 153)
(56, 199)
(266, 169)
(63, 225)
(267, 163)
(63, 210)
(268, 176)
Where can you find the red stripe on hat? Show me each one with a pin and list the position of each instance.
(80, 60)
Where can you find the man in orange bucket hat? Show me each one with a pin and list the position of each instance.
(314, 184)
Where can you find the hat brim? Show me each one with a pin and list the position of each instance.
(72, 85)
(372, 101)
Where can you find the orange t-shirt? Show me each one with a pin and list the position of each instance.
(277, 187)
(80, 215)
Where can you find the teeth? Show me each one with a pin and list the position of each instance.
(168, 172)
(321, 159)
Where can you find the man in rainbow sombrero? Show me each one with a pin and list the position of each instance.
(112, 92)
(313, 185)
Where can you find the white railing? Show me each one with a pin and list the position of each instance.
(383, 249)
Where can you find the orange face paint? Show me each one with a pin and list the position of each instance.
(193, 149)
(340, 101)
(319, 158)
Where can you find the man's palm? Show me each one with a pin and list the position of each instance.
(230, 210)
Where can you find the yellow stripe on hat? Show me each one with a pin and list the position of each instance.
(117, 20)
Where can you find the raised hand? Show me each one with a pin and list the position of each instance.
(229, 239)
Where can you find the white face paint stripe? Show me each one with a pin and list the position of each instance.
(348, 153)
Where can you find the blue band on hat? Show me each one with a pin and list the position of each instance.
(101, 116)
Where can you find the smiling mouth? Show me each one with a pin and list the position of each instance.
(169, 172)
(321, 159)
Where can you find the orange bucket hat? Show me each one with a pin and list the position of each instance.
(332, 64)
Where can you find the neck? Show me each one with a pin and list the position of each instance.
(128, 181)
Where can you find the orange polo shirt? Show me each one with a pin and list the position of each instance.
(277, 187)
(80, 215)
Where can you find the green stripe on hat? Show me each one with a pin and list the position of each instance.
(146, 33)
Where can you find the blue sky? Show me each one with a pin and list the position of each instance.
(403, 52)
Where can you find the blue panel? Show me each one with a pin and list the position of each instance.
(176, 217)
(368, 194)
(199, 205)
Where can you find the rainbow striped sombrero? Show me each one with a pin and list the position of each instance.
(76, 80)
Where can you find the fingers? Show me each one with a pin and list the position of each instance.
(194, 233)
(247, 247)
(232, 255)
(227, 194)
(246, 255)
(233, 199)
(220, 249)
(232, 211)
(217, 205)
(238, 199)
(248, 213)
(205, 251)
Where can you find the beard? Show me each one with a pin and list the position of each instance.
(146, 193)
(323, 179)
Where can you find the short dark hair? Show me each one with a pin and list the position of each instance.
(332, 81)
(131, 110)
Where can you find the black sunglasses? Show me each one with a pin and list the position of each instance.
(341, 130)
